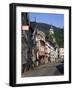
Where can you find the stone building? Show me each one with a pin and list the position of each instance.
(61, 53)
(43, 51)
(47, 52)
(39, 47)
(26, 42)
(51, 48)
(40, 44)
(54, 46)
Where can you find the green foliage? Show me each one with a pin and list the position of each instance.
(58, 33)
(59, 36)
(48, 37)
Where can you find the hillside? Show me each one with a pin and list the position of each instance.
(58, 32)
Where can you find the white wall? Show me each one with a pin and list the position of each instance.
(4, 45)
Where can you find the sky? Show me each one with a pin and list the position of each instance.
(53, 19)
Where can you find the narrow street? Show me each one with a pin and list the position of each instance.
(44, 70)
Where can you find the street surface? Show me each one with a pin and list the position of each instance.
(49, 69)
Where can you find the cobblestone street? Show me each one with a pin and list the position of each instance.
(45, 70)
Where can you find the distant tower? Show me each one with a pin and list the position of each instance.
(51, 31)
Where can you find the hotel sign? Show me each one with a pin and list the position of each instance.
(25, 27)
